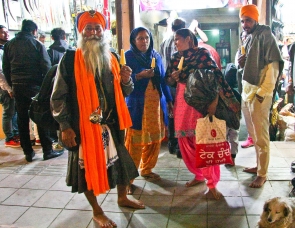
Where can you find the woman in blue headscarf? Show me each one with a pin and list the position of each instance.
(146, 104)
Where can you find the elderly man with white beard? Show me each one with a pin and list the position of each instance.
(88, 103)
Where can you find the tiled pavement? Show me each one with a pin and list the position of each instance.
(34, 195)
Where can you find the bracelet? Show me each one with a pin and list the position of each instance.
(128, 83)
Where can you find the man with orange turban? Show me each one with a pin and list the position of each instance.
(262, 65)
(88, 103)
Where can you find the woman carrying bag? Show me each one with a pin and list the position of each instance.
(186, 116)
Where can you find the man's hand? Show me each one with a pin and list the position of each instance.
(125, 73)
(11, 94)
(242, 60)
(68, 137)
(259, 98)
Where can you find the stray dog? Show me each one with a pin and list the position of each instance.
(278, 212)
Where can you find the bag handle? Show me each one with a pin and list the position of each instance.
(207, 118)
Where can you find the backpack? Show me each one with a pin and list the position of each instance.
(39, 110)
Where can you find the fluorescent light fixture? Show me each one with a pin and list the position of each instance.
(215, 32)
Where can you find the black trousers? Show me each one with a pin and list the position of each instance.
(23, 93)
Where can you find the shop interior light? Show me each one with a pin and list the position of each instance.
(215, 32)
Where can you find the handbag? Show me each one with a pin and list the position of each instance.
(39, 110)
(212, 148)
(201, 89)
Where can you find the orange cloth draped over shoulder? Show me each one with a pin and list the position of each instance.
(91, 134)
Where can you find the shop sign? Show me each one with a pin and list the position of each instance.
(189, 4)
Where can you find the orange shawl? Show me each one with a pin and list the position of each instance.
(91, 134)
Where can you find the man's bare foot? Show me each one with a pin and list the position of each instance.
(250, 170)
(217, 195)
(136, 204)
(258, 182)
(103, 221)
(193, 182)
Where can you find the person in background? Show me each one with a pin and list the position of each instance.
(185, 116)
(25, 63)
(147, 103)
(260, 75)
(88, 103)
(59, 46)
(292, 192)
(9, 116)
(202, 39)
(232, 135)
(36, 140)
(201, 35)
(42, 37)
(290, 90)
(56, 52)
(167, 48)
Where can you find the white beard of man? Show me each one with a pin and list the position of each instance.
(96, 52)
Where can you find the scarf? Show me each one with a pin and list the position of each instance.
(145, 59)
(261, 49)
(91, 134)
(200, 58)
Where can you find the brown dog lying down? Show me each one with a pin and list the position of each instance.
(278, 212)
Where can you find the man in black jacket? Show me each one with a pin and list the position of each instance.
(25, 63)
(59, 47)
(56, 52)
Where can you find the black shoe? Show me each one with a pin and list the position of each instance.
(178, 154)
(51, 154)
(33, 142)
(292, 193)
(29, 157)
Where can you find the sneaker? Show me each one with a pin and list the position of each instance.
(12, 143)
(37, 142)
(57, 147)
(247, 143)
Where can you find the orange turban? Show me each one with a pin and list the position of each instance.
(250, 11)
(90, 16)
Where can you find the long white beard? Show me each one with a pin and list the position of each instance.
(96, 52)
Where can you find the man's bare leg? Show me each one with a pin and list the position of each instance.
(123, 201)
(98, 214)
(258, 182)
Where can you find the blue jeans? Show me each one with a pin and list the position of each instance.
(9, 115)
